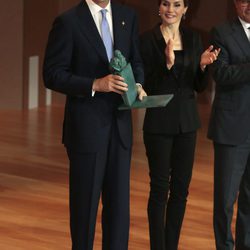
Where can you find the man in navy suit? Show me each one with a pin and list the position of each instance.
(97, 136)
(230, 130)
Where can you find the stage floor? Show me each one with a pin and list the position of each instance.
(34, 212)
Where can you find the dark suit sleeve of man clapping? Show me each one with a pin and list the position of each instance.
(232, 76)
(229, 129)
(233, 64)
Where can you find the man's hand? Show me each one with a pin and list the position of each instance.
(141, 92)
(110, 83)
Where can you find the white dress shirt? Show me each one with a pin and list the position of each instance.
(97, 16)
(246, 27)
(95, 11)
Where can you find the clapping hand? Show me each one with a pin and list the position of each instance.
(209, 56)
(169, 53)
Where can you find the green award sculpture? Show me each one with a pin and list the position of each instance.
(119, 66)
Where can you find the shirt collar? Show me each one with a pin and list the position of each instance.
(244, 23)
(95, 8)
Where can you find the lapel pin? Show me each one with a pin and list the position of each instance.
(123, 23)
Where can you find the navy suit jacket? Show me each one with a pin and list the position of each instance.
(74, 57)
(230, 117)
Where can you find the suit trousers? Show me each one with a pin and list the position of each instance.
(232, 180)
(170, 159)
(103, 173)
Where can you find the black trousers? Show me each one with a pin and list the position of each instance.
(232, 180)
(170, 159)
(103, 173)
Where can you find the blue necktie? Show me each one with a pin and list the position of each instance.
(106, 36)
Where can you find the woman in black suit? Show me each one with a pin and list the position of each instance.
(173, 63)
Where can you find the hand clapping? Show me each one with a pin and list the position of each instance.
(169, 53)
(209, 56)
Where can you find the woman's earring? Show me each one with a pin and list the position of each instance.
(184, 16)
(159, 13)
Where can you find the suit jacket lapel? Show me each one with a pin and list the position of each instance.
(240, 37)
(160, 44)
(88, 28)
(187, 48)
(119, 26)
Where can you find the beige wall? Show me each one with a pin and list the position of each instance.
(11, 51)
(28, 24)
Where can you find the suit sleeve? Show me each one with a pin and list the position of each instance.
(57, 65)
(224, 71)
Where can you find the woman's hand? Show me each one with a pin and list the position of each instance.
(169, 53)
(209, 56)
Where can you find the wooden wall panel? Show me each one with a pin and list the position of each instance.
(11, 51)
(38, 18)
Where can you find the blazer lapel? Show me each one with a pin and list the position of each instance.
(88, 28)
(160, 44)
(240, 37)
(118, 25)
(120, 31)
(187, 48)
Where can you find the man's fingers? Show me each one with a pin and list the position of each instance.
(120, 88)
(117, 91)
(117, 86)
(141, 95)
(117, 78)
(111, 83)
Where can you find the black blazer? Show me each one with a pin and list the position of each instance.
(75, 56)
(230, 117)
(181, 113)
